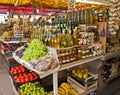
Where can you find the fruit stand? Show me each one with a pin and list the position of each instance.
(43, 49)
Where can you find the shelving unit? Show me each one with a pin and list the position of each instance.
(108, 56)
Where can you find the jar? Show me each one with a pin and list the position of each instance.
(67, 59)
(87, 53)
(64, 60)
(74, 51)
(79, 56)
(70, 51)
(62, 52)
(83, 54)
(66, 52)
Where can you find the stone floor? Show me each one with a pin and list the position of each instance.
(6, 87)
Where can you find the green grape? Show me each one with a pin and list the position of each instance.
(35, 50)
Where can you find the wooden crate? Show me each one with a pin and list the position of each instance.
(90, 80)
(83, 90)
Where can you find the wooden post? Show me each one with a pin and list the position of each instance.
(102, 25)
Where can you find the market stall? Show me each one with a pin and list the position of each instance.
(66, 38)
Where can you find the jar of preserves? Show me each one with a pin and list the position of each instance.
(64, 60)
(83, 54)
(79, 56)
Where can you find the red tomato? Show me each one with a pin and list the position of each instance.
(18, 80)
(15, 77)
(19, 71)
(22, 70)
(31, 78)
(27, 79)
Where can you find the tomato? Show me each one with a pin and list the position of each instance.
(15, 77)
(36, 77)
(31, 78)
(19, 71)
(18, 80)
(27, 79)
(22, 70)
(12, 72)
(22, 81)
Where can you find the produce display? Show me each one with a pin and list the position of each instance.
(17, 69)
(66, 89)
(81, 73)
(5, 49)
(35, 50)
(44, 63)
(5, 34)
(25, 77)
(32, 89)
(9, 36)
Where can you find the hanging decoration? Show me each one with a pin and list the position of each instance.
(114, 16)
(15, 2)
(57, 2)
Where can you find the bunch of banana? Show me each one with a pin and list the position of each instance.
(66, 89)
(81, 73)
(15, 2)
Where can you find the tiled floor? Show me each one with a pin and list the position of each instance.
(6, 87)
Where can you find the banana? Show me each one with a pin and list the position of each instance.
(65, 85)
(61, 90)
(74, 92)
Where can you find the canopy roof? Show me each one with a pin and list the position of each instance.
(54, 4)
(59, 4)
(43, 7)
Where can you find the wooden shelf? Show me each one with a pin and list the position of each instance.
(110, 55)
(79, 62)
(29, 66)
(13, 42)
(111, 78)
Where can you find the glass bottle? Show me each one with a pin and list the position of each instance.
(75, 36)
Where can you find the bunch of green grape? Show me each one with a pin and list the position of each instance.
(32, 89)
(35, 50)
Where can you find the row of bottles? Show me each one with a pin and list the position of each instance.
(65, 38)
(54, 37)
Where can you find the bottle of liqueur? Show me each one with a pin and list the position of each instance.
(79, 16)
(70, 39)
(75, 36)
(91, 16)
(63, 42)
(87, 16)
(83, 16)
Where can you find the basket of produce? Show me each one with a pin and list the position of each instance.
(22, 78)
(32, 89)
(66, 89)
(83, 76)
(17, 69)
(35, 57)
